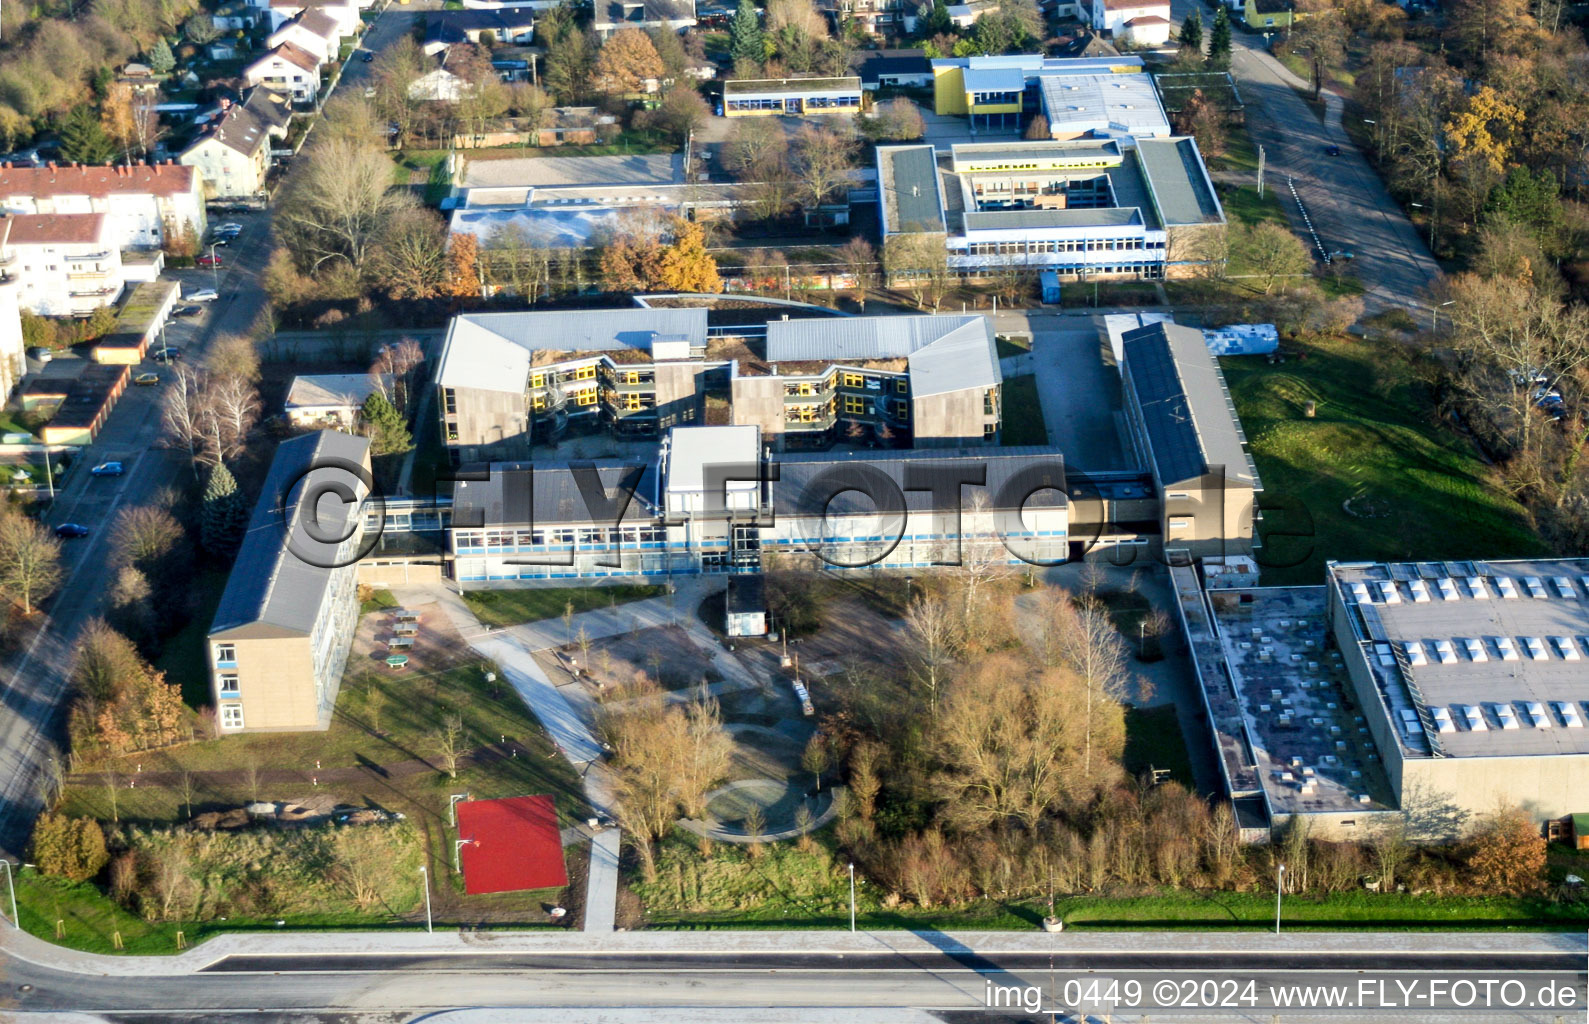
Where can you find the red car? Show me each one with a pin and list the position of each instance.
(209, 261)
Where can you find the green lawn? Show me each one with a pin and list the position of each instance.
(1240, 153)
(1418, 490)
(1154, 741)
(1023, 412)
(1243, 204)
(514, 607)
(184, 658)
(789, 889)
(1012, 346)
(1099, 293)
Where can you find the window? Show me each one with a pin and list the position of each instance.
(585, 373)
(901, 385)
(807, 388)
(632, 377)
(539, 402)
(587, 398)
(449, 401)
(225, 654)
(853, 405)
(229, 684)
(631, 402)
(538, 380)
(852, 380)
(231, 716)
(987, 431)
(902, 411)
(990, 402)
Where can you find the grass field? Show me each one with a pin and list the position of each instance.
(1154, 741)
(789, 889)
(1415, 490)
(1244, 205)
(1240, 153)
(513, 607)
(1012, 346)
(1023, 412)
(184, 657)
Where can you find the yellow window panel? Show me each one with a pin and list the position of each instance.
(587, 398)
(538, 380)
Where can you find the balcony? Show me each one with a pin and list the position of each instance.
(823, 422)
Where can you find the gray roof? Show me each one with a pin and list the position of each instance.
(1174, 172)
(994, 80)
(945, 353)
(1103, 101)
(584, 171)
(1424, 615)
(547, 493)
(794, 493)
(908, 179)
(1190, 422)
(273, 591)
(1101, 150)
(612, 13)
(491, 351)
(747, 592)
(1079, 217)
(501, 19)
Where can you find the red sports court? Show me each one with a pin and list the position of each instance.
(516, 844)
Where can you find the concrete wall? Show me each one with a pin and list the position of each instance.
(758, 401)
(275, 682)
(954, 419)
(489, 424)
(1213, 520)
(678, 393)
(399, 572)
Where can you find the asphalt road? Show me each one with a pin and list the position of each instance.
(949, 981)
(1348, 204)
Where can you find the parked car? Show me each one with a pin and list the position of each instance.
(187, 311)
(368, 56)
(43, 355)
(202, 295)
(71, 531)
(230, 226)
(106, 469)
(210, 260)
(1332, 150)
(166, 355)
(146, 380)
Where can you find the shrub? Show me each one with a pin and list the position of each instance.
(72, 848)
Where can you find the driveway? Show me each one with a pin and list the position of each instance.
(1348, 203)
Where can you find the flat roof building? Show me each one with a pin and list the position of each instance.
(1475, 676)
(792, 97)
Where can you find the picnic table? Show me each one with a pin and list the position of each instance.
(400, 642)
(397, 660)
(404, 615)
(405, 629)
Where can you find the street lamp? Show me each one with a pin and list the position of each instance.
(457, 851)
(1280, 876)
(1434, 314)
(852, 896)
(215, 269)
(11, 884)
(425, 874)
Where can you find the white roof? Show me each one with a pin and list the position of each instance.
(1105, 104)
(492, 351)
(329, 390)
(692, 449)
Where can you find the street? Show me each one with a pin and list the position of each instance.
(1347, 202)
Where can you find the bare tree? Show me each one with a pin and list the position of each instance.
(860, 262)
(144, 534)
(169, 878)
(364, 866)
(186, 788)
(229, 412)
(251, 776)
(232, 355)
(392, 369)
(30, 560)
(706, 754)
(338, 204)
(182, 411)
(824, 158)
(448, 742)
(1092, 648)
(932, 624)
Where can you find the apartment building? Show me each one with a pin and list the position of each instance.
(518, 523)
(1139, 22)
(312, 29)
(1083, 208)
(13, 360)
(608, 16)
(344, 12)
(1182, 427)
(233, 156)
(65, 264)
(509, 380)
(282, 631)
(140, 203)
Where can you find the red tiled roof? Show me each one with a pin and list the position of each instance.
(1132, 5)
(294, 54)
(1148, 19)
(75, 180)
(55, 228)
(319, 22)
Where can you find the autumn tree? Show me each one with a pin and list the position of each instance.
(681, 112)
(70, 848)
(123, 705)
(685, 265)
(630, 253)
(1270, 252)
(627, 63)
(410, 256)
(1038, 129)
(463, 266)
(130, 121)
(1203, 121)
(895, 120)
(30, 559)
(1484, 128)
(1506, 853)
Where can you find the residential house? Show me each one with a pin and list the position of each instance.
(1086, 208)
(1268, 15)
(1083, 44)
(314, 30)
(281, 634)
(233, 155)
(346, 12)
(504, 25)
(1138, 22)
(66, 263)
(13, 361)
(288, 68)
(140, 202)
(272, 109)
(874, 17)
(438, 85)
(612, 15)
(234, 16)
(964, 16)
(332, 400)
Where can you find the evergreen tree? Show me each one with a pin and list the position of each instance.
(1219, 40)
(1192, 33)
(224, 514)
(745, 40)
(161, 59)
(83, 139)
(384, 426)
(938, 22)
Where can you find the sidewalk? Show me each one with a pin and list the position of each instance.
(562, 722)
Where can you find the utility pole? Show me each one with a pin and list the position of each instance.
(424, 873)
(1260, 171)
(1280, 877)
(16, 922)
(852, 896)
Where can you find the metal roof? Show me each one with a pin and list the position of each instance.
(784, 86)
(994, 220)
(795, 494)
(272, 590)
(544, 493)
(491, 351)
(994, 80)
(1105, 151)
(908, 179)
(1099, 102)
(1174, 171)
(945, 353)
(330, 390)
(1190, 423)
